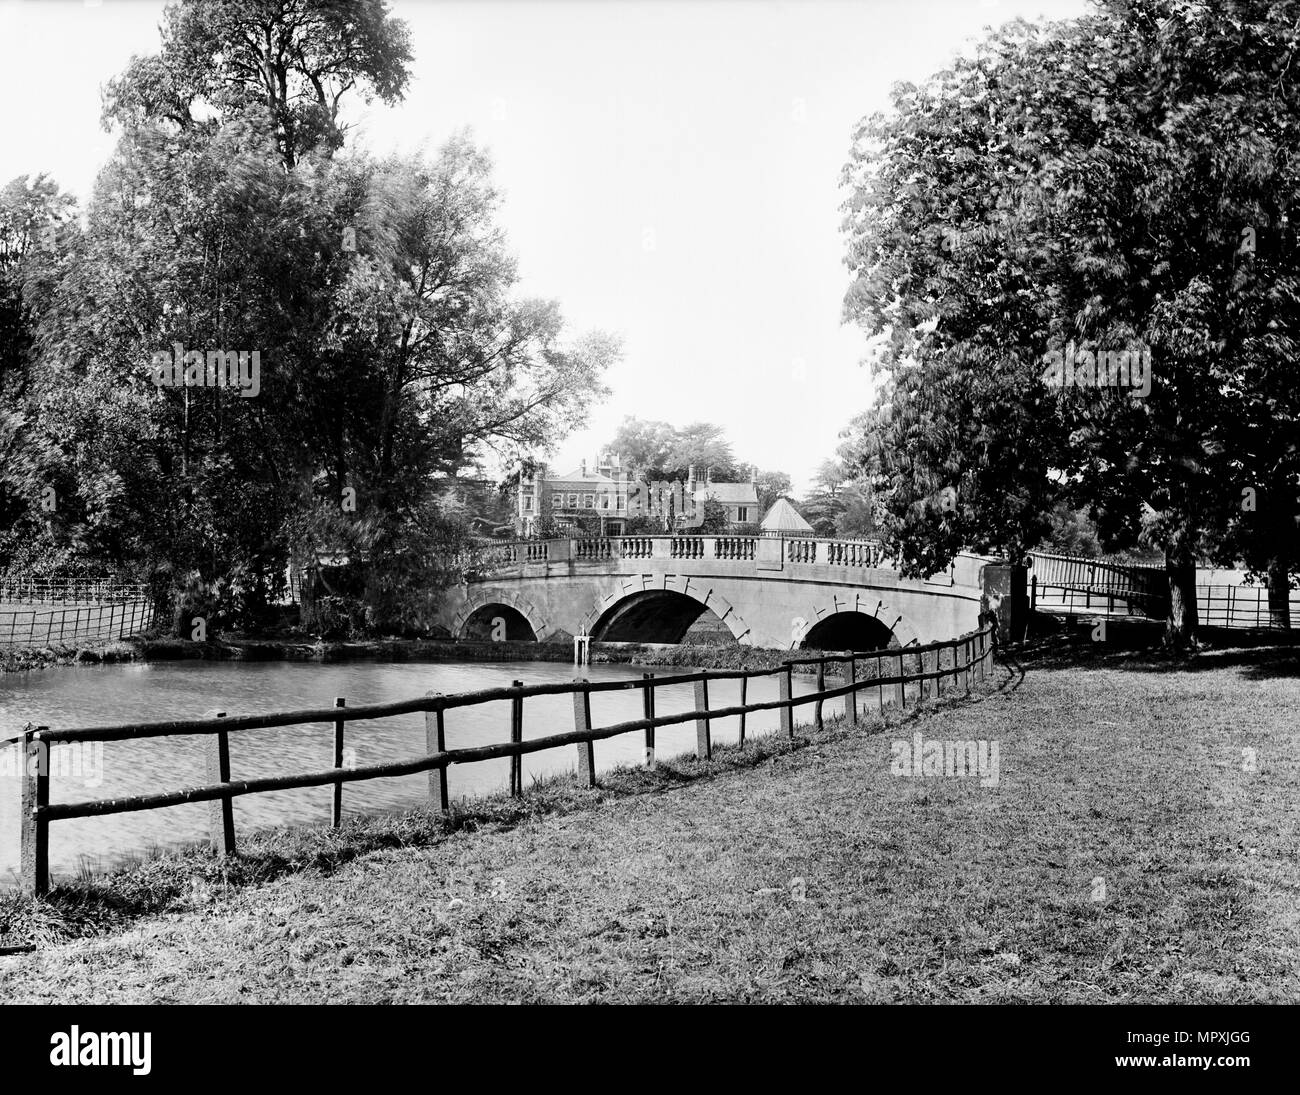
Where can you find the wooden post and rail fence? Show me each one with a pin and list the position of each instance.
(971, 655)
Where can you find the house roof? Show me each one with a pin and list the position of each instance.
(733, 494)
(783, 517)
(587, 478)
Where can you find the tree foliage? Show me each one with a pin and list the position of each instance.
(1084, 188)
(378, 295)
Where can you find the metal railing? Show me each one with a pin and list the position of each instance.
(1216, 605)
(35, 627)
(52, 591)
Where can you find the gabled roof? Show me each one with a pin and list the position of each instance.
(734, 494)
(783, 517)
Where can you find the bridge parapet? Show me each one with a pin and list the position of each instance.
(767, 553)
(766, 590)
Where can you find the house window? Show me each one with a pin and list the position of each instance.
(557, 501)
(589, 501)
(528, 503)
(604, 501)
(742, 513)
(573, 501)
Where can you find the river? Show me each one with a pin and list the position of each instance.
(106, 695)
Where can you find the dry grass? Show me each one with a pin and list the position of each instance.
(679, 885)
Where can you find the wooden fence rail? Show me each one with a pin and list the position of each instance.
(970, 654)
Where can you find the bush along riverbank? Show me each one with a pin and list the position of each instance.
(309, 648)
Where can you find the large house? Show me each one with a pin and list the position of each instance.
(601, 499)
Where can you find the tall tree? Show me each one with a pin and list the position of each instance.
(286, 63)
(375, 299)
(703, 446)
(771, 485)
(1085, 186)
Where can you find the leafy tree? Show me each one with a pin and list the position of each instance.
(657, 450)
(770, 486)
(643, 445)
(378, 294)
(284, 63)
(704, 446)
(1071, 533)
(715, 519)
(36, 228)
(1085, 187)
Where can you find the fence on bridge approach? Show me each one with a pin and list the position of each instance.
(1070, 584)
(969, 654)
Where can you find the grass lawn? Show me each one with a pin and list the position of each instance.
(1130, 852)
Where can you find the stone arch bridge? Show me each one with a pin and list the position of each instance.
(766, 591)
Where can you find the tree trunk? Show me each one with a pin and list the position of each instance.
(1279, 592)
(1180, 568)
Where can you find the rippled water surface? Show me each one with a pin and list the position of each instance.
(106, 695)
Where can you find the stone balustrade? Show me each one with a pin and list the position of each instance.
(802, 551)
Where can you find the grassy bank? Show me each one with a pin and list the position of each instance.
(1130, 852)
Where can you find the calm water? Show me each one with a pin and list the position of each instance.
(105, 695)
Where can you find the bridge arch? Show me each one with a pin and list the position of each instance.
(860, 623)
(474, 618)
(640, 611)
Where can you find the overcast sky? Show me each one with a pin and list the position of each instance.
(670, 170)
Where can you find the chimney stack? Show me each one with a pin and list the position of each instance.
(584, 466)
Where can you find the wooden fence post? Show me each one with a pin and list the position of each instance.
(582, 723)
(221, 811)
(968, 654)
(34, 838)
(821, 687)
(787, 693)
(900, 689)
(851, 700)
(880, 688)
(744, 693)
(516, 736)
(648, 705)
(703, 742)
(435, 741)
(336, 813)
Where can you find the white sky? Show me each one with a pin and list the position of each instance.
(670, 169)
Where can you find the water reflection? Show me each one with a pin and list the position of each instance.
(103, 695)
